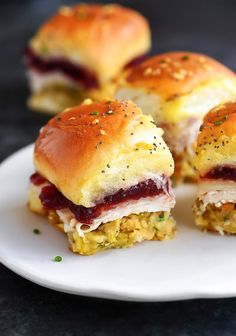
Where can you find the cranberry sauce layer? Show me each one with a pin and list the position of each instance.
(222, 172)
(53, 199)
(37, 179)
(77, 73)
(136, 61)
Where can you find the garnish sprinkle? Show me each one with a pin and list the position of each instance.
(94, 113)
(161, 218)
(57, 259)
(81, 15)
(185, 58)
(36, 231)
(218, 122)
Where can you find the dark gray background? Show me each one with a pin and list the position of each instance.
(26, 309)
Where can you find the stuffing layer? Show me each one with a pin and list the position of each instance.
(220, 218)
(184, 167)
(120, 233)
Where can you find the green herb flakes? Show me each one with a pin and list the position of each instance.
(161, 217)
(185, 58)
(36, 231)
(218, 122)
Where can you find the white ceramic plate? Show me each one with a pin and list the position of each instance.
(192, 265)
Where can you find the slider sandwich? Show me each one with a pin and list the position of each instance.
(103, 177)
(77, 53)
(178, 89)
(215, 206)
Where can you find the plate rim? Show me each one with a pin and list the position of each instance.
(112, 294)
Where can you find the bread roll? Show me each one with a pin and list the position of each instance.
(178, 89)
(216, 166)
(104, 165)
(77, 52)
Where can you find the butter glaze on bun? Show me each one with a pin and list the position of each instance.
(216, 143)
(220, 120)
(176, 73)
(178, 89)
(99, 147)
(102, 38)
(176, 76)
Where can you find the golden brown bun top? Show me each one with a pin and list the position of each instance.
(70, 22)
(99, 147)
(216, 142)
(219, 121)
(174, 74)
(94, 35)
